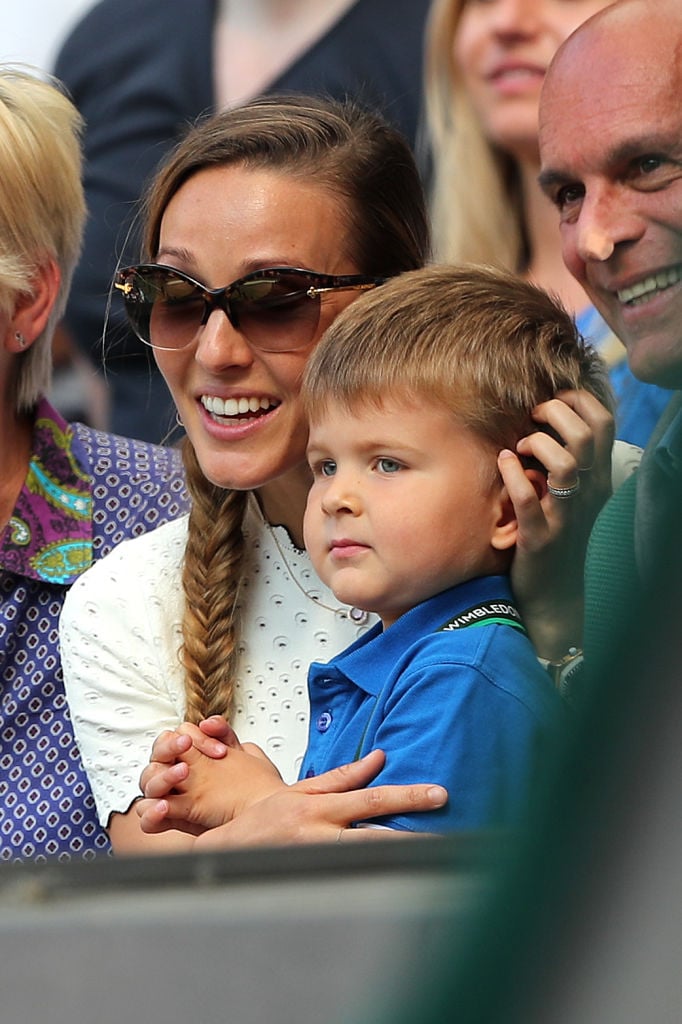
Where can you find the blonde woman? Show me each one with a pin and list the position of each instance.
(68, 493)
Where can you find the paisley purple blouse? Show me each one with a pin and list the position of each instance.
(85, 491)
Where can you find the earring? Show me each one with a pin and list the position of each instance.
(20, 339)
(178, 420)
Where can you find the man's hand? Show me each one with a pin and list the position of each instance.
(547, 571)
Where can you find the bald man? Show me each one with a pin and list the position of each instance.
(589, 891)
(611, 159)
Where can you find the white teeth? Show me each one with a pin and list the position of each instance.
(235, 406)
(650, 286)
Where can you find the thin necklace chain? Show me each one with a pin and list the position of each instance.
(357, 615)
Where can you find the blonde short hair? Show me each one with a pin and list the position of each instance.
(42, 206)
(481, 342)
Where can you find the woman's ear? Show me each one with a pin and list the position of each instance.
(32, 309)
(507, 527)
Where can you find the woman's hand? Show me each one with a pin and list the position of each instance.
(320, 809)
(548, 567)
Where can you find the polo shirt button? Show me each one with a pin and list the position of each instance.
(324, 721)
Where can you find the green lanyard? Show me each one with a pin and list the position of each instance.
(500, 613)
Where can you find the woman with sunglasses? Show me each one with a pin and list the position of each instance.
(300, 205)
(138, 89)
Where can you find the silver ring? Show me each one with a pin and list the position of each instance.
(564, 492)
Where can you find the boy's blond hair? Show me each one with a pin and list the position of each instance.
(482, 342)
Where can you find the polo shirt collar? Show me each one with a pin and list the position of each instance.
(365, 662)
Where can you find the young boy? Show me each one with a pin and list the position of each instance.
(411, 395)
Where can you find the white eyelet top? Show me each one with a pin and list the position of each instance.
(120, 637)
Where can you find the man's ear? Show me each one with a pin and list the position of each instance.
(507, 527)
(32, 309)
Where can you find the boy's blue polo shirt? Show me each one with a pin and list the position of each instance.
(470, 709)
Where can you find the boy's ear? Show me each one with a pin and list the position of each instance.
(32, 309)
(507, 527)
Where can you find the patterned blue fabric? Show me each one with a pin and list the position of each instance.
(121, 488)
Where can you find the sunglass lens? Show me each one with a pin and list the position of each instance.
(164, 308)
(277, 313)
(176, 308)
(273, 310)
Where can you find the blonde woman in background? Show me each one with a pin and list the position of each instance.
(485, 65)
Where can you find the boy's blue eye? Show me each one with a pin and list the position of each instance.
(389, 465)
(328, 467)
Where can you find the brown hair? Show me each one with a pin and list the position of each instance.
(368, 167)
(484, 343)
